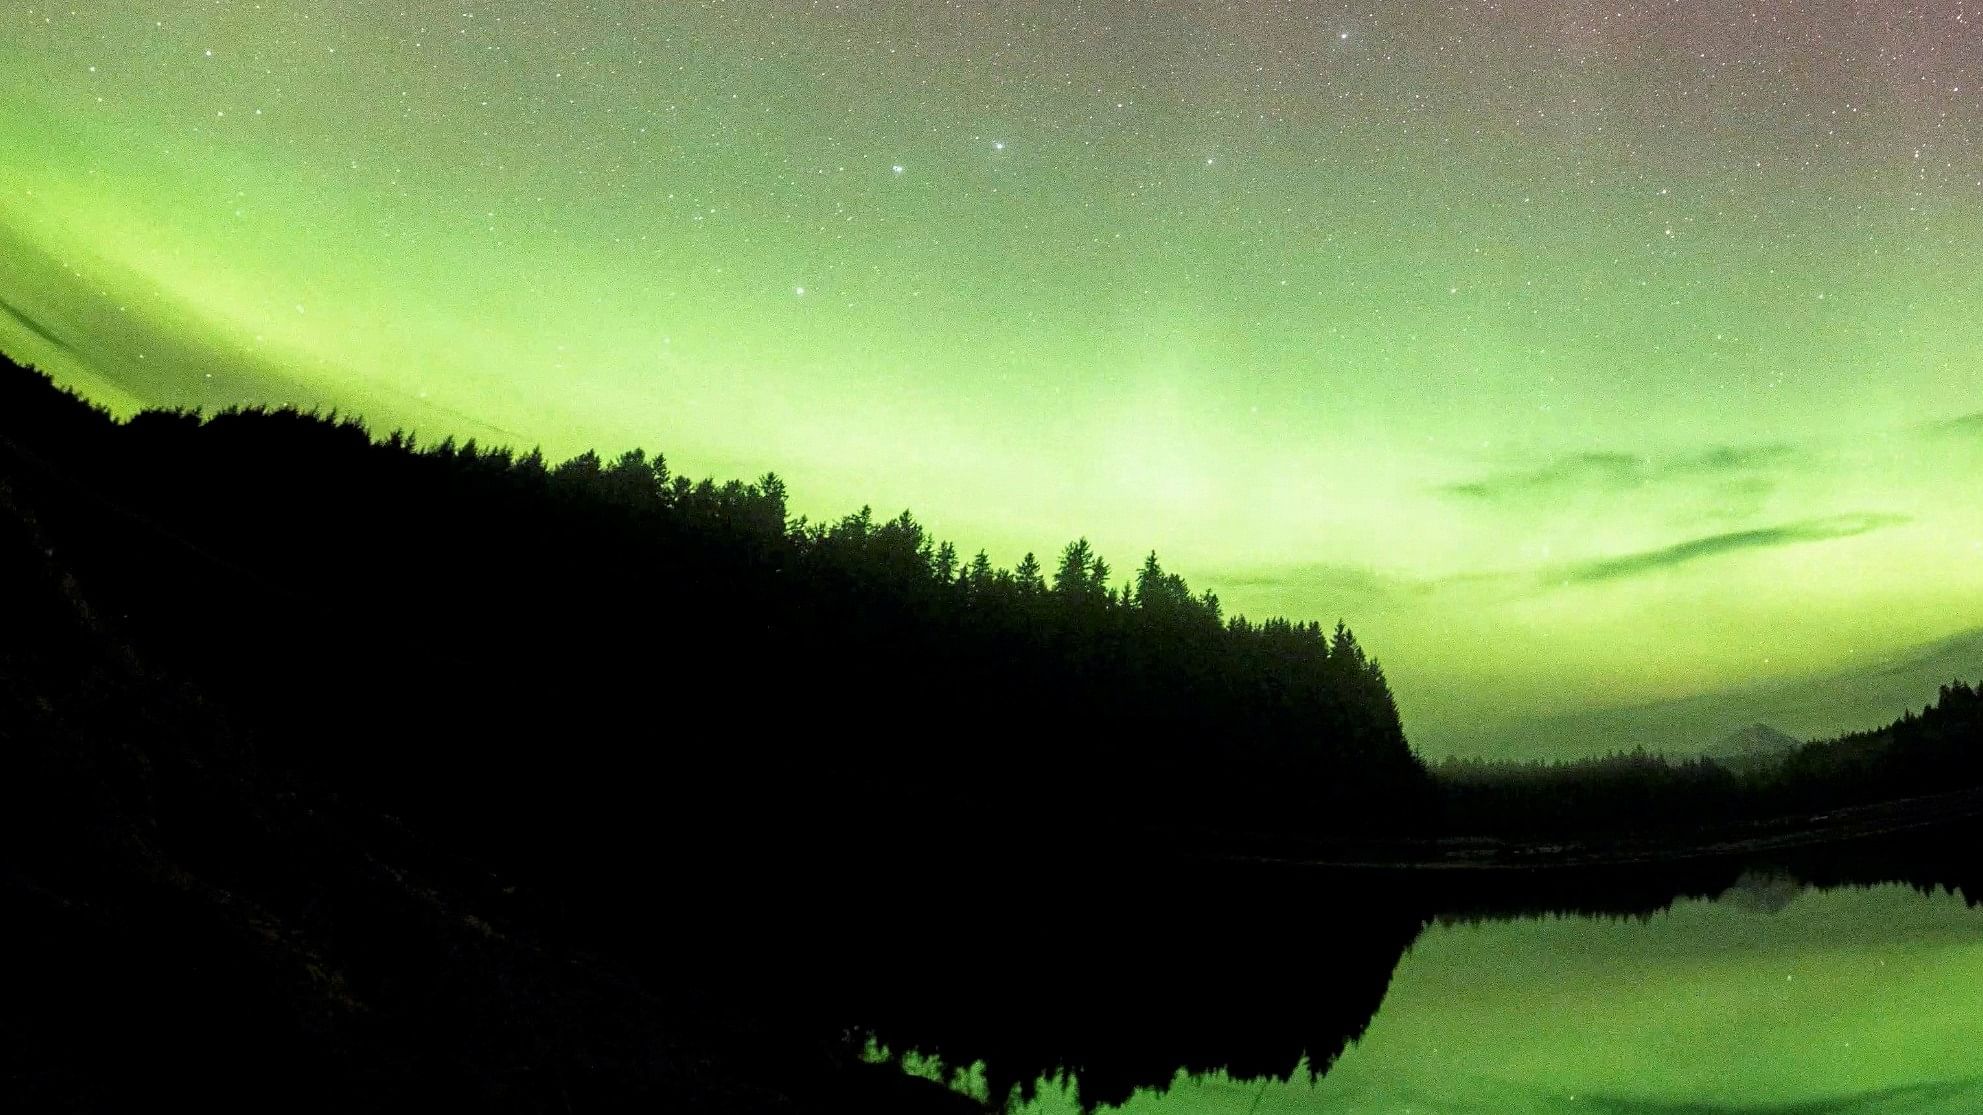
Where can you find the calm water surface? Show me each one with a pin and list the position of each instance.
(1771, 998)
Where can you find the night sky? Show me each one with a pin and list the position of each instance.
(1576, 354)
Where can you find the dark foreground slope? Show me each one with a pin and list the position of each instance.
(335, 776)
(190, 925)
(187, 925)
(341, 776)
(514, 640)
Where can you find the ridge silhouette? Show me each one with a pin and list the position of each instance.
(342, 772)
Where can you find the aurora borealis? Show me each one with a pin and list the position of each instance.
(1578, 355)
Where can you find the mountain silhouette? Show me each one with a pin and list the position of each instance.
(1873, 688)
(1752, 748)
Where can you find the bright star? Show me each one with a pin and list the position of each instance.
(799, 292)
(897, 168)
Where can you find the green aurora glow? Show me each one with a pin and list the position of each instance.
(1578, 358)
(1847, 1002)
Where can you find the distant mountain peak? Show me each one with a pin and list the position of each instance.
(1748, 748)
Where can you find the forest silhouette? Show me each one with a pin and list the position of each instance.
(673, 633)
(661, 635)
(419, 772)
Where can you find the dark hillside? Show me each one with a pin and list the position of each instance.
(423, 775)
(537, 646)
(1928, 758)
(344, 776)
(187, 926)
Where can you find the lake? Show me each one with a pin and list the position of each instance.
(1772, 996)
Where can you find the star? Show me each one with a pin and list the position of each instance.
(1357, 176)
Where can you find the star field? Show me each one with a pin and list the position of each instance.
(1340, 307)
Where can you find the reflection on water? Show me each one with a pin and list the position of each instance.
(1770, 996)
(1843, 1000)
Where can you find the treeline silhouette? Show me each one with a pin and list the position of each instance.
(190, 926)
(196, 923)
(443, 611)
(780, 769)
(1935, 751)
(447, 617)
(344, 773)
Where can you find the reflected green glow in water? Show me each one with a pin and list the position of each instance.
(1839, 1001)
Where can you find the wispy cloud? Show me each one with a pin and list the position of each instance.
(1695, 549)
(1345, 586)
(1616, 472)
(1966, 425)
(1359, 588)
(35, 327)
(1604, 470)
(1354, 586)
(1903, 1097)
